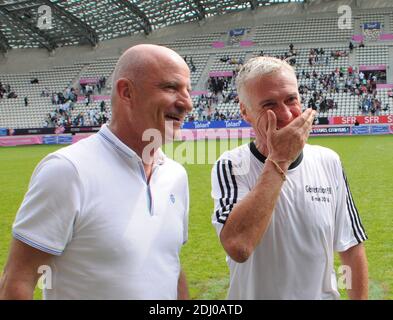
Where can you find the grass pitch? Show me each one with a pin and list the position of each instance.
(368, 161)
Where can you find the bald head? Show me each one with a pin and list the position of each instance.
(136, 62)
(151, 90)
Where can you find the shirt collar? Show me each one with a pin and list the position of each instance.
(117, 144)
(262, 158)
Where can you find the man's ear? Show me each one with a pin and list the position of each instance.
(124, 90)
(244, 112)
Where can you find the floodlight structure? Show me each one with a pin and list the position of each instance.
(56, 23)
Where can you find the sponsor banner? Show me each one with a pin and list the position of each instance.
(58, 139)
(386, 36)
(361, 120)
(237, 32)
(372, 25)
(391, 129)
(372, 67)
(215, 124)
(59, 130)
(360, 130)
(325, 130)
(380, 129)
(246, 43)
(21, 132)
(218, 44)
(384, 86)
(81, 129)
(3, 131)
(358, 37)
(88, 80)
(49, 140)
(221, 74)
(19, 141)
(82, 98)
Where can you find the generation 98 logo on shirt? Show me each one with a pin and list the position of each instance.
(319, 194)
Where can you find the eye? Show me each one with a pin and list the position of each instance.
(292, 99)
(268, 105)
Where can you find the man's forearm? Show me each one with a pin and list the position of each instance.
(182, 289)
(355, 258)
(15, 290)
(251, 217)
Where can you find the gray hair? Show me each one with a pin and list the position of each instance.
(255, 68)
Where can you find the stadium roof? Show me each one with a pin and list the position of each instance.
(55, 23)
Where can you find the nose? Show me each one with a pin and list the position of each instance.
(184, 101)
(284, 114)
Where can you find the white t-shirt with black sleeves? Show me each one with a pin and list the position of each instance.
(113, 236)
(314, 216)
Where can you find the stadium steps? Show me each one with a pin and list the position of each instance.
(75, 81)
(352, 58)
(201, 85)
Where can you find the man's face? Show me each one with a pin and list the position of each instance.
(163, 97)
(278, 92)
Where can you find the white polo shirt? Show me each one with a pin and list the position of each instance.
(314, 216)
(113, 236)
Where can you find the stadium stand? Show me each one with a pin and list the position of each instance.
(309, 32)
(312, 30)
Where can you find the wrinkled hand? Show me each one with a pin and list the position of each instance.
(284, 145)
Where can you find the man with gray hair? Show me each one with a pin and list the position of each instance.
(282, 207)
(113, 227)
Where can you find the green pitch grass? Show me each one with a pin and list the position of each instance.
(369, 165)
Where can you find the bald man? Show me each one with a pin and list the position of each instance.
(106, 217)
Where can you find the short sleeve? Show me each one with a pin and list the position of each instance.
(349, 230)
(47, 214)
(228, 188)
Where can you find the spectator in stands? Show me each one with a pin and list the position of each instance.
(2, 90)
(87, 211)
(45, 92)
(274, 244)
(26, 100)
(361, 45)
(225, 58)
(87, 99)
(351, 46)
(34, 81)
(12, 95)
(102, 106)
